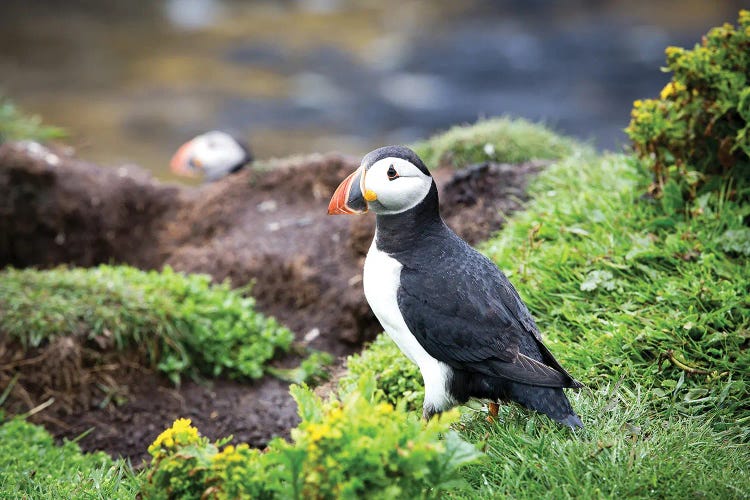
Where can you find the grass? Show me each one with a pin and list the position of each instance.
(628, 450)
(15, 125)
(502, 140)
(186, 324)
(32, 466)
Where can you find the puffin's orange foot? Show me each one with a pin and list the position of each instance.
(493, 408)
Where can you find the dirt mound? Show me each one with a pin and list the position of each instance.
(265, 226)
(56, 209)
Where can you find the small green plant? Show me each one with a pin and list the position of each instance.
(397, 380)
(348, 448)
(185, 323)
(358, 448)
(14, 125)
(181, 465)
(698, 131)
(311, 371)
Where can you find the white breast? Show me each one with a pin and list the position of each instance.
(381, 278)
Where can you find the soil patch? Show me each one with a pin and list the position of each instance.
(252, 413)
(106, 400)
(267, 227)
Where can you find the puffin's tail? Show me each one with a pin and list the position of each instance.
(548, 400)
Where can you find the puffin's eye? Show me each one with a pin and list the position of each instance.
(392, 174)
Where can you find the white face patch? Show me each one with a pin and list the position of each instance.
(216, 153)
(396, 193)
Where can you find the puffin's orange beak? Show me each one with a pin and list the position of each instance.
(348, 197)
(181, 162)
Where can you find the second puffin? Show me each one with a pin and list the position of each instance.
(447, 307)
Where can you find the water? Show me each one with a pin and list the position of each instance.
(131, 80)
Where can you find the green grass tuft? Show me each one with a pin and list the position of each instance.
(627, 451)
(502, 140)
(186, 324)
(14, 125)
(32, 466)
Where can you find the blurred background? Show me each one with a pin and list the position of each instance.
(130, 80)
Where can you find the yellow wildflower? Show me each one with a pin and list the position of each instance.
(181, 432)
(637, 103)
(671, 50)
(336, 414)
(384, 409)
(667, 91)
(230, 454)
(318, 431)
(670, 88)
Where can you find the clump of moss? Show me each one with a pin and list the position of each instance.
(502, 140)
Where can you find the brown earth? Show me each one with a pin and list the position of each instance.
(266, 225)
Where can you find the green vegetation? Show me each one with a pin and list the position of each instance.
(184, 323)
(347, 448)
(32, 466)
(698, 131)
(397, 379)
(503, 140)
(628, 450)
(14, 125)
(313, 370)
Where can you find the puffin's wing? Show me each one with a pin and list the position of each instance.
(466, 313)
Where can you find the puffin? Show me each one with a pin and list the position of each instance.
(212, 156)
(447, 307)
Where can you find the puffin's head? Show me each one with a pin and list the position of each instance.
(211, 155)
(389, 181)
